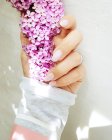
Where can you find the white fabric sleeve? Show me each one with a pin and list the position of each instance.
(44, 108)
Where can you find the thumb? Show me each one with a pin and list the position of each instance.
(24, 39)
(25, 64)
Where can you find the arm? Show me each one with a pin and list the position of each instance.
(44, 108)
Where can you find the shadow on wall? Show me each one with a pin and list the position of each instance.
(86, 122)
(10, 68)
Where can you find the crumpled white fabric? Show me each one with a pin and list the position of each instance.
(44, 108)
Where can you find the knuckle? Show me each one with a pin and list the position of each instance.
(82, 72)
(73, 20)
(78, 74)
(77, 57)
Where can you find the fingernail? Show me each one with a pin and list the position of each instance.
(64, 23)
(49, 77)
(56, 56)
(53, 83)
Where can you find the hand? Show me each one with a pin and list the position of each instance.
(68, 73)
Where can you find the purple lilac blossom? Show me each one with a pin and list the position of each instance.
(21, 5)
(40, 24)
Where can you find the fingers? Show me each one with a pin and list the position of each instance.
(62, 68)
(73, 88)
(75, 75)
(68, 44)
(67, 23)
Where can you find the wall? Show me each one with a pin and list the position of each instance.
(91, 117)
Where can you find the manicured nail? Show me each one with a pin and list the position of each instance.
(53, 83)
(64, 23)
(56, 56)
(49, 77)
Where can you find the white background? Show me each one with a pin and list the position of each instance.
(91, 117)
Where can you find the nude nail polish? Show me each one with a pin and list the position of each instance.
(56, 56)
(49, 77)
(64, 23)
(53, 83)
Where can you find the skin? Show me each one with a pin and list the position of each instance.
(68, 71)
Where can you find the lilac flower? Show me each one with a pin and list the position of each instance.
(21, 4)
(40, 25)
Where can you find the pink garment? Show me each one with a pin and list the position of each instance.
(22, 133)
